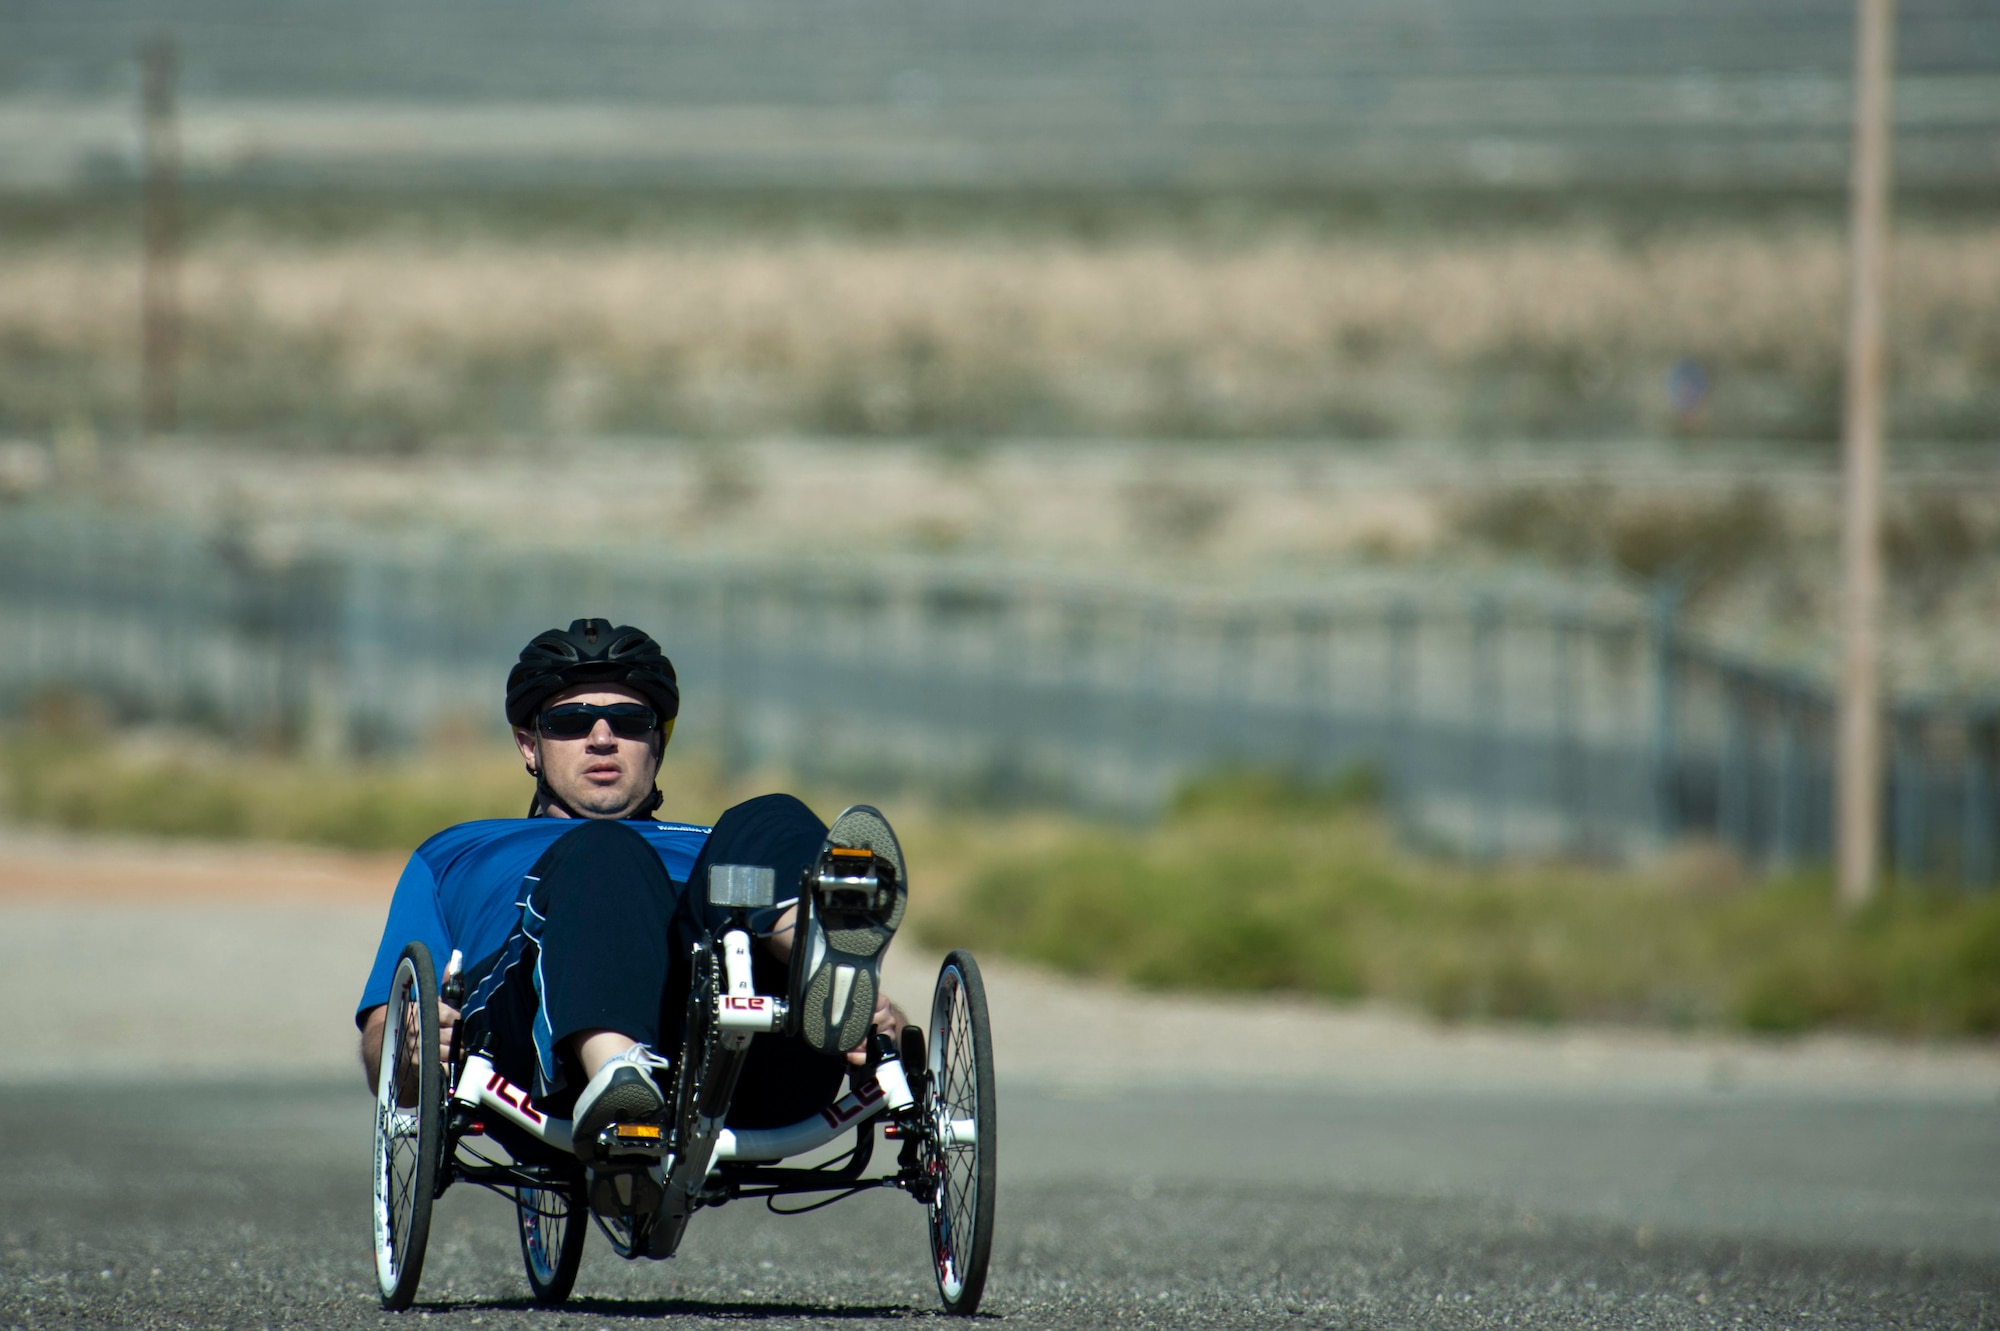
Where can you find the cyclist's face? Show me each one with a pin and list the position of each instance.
(601, 774)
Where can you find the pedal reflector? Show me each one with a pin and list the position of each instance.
(746, 885)
(635, 1132)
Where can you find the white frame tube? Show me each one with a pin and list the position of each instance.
(480, 1086)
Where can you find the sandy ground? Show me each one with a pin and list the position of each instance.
(121, 958)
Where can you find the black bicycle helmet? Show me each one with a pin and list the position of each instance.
(591, 651)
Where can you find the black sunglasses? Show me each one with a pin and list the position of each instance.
(574, 720)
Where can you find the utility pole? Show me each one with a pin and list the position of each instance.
(159, 280)
(1860, 737)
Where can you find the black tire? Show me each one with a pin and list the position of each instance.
(554, 1221)
(960, 1092)
(409, 1127)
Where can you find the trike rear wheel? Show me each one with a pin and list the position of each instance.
(554, 1221)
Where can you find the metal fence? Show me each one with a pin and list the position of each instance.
(1509, 718)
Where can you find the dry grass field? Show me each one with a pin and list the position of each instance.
(400, 337)
(405, 367)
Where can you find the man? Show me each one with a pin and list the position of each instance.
(576, 914)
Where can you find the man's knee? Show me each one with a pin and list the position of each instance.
(605, 860)
(602, 836)
(775, 815)
(774, 830)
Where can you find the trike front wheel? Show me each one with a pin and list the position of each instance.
(962, 1133)
(409, 1127)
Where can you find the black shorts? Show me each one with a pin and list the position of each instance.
(601, 944)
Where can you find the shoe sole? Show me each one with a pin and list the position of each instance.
(838, 1004)
(627, 1099)
(639, 1195)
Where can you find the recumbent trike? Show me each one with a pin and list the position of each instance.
(445, 1116)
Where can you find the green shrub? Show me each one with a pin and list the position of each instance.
(1255, 792)
(1255, 882)
(1251, 886)
(91, 786)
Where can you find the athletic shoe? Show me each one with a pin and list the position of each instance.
(852, 901)
(623, 1091)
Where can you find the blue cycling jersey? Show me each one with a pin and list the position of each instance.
(463, 888)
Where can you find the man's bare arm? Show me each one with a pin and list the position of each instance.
(371, 1038)
(778, 942)
(371, 1044)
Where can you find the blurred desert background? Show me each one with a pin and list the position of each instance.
(1385, 456)
(1320, 525)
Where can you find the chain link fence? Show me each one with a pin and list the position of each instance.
(1505, 718)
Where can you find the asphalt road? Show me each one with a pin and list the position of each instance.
(184, 1143)
(216, 1203)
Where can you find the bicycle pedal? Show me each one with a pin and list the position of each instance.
(645, 1140)
(855, 881)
